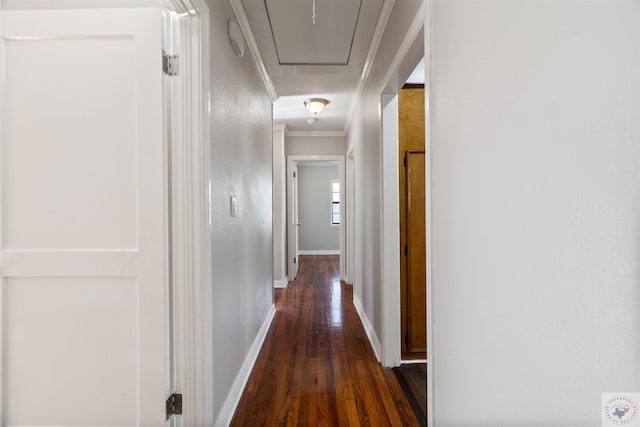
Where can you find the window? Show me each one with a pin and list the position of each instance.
(335, 202)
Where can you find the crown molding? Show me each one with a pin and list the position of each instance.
(245, 26)
(325, 133)
(381, 25)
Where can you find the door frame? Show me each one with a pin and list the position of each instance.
(296, 159)
(350, 203)
(399, 70)
(190, 213)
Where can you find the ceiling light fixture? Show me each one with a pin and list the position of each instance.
(316, 105)
(312, 121)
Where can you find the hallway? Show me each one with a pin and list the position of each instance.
(316, 366)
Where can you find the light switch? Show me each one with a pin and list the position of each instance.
(234, 206)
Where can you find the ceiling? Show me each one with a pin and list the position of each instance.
(300, 59)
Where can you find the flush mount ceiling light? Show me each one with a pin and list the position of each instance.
(315, 105)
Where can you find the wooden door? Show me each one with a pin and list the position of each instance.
(415, 254)
(83, 236)
(411, 135)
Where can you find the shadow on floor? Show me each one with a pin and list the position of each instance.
(413, 380)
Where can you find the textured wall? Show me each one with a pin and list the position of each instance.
(536, 184)
(241, 164)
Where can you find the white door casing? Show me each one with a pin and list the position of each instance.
(292, 214)
(83, 237)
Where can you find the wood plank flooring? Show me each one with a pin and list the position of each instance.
(413, 380)
(316, 367)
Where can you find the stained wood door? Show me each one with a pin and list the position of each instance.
(83, 243)
(415, 254)
(411, 136)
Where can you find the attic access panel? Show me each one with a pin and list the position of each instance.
(298, 41)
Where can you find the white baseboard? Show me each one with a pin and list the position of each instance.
(413, 361)
(280, 283)
(368, 327)
(233, 398)
(319, 252)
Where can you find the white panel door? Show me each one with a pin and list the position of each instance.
(83, 246)
(296, 222)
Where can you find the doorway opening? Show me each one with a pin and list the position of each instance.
(315, 209)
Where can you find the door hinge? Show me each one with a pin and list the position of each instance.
(294, 174)
(174, 405)
(406, 250)
(170, 64)
(294, 260)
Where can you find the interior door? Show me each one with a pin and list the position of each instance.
(83, 242)
(296, 221)
(416, 343)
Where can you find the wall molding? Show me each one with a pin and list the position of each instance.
(233, 398)
(368, 327)
(324, 133)
(319, 252)
(245, 26)
(280, 283)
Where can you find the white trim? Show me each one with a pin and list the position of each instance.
(3, 282)
(391, 333)
(280, 283)
(189, 217)
(281, 127)
(324, 133)
(233, 398)
(250, 38)
(368, 327)
(413, 361)
(376, 39)
(389, 224)
(350, 215)
(428, 26)
(412, 33)
(295, 159)
(319, 251)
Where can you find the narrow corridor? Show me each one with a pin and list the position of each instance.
(316, 366)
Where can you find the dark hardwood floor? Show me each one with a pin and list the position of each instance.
(413, 380)
(316, 366)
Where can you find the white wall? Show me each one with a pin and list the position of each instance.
(241, 163)
(535, 148)
(279, 208)
(365, 137)
(316, 234)
(315, 145)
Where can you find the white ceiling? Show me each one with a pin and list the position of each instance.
(304, 60)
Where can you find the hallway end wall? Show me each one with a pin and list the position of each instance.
(315, 145)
